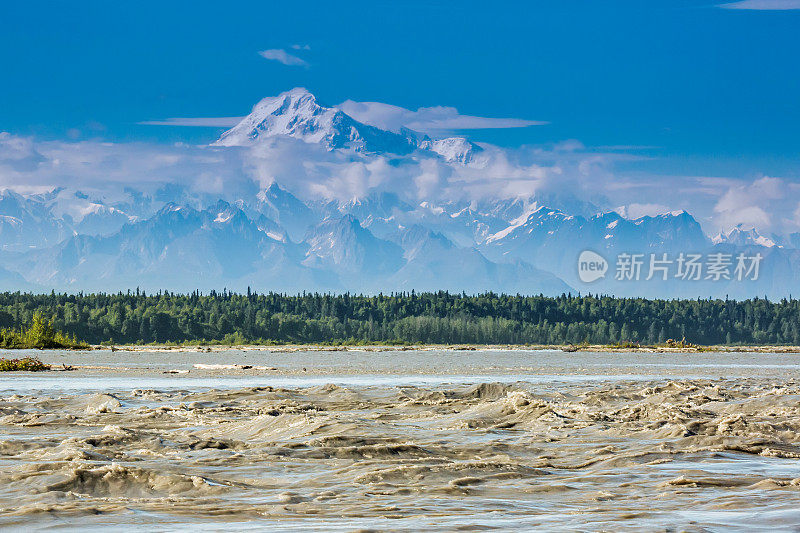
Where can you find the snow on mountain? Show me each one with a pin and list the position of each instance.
(740, 236)
(382, 213)
(178, 248)
(29, 223)
(457, 221)
(233, 245)
(674, 229)
(469, 226)
(86, 215)
(344, 246)
(298, 114)
(534, 226)
(98, 219)
(283, 207)
(377, 205)
(380, 241)
(508, 209)
(544, 228)
(552, 240)
(452, 149)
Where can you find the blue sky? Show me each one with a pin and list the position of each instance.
(700, 89)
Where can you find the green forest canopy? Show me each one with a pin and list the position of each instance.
(436, 318)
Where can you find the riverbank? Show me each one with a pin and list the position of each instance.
(290, 348)
(72, 360)
(173, 364)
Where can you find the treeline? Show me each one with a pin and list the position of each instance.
(440, 318)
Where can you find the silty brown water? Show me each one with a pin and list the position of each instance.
(404, 441)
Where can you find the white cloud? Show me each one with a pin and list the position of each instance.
(636, 210)
(282, 56)
(764, 203)
(434, 120)
(211, 122)
(28, 165)
(425, 119)
(301, 47)
(763, 5)
(575, 180)
(308, 169)
(19, 154)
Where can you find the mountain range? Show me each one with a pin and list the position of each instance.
(381, 241)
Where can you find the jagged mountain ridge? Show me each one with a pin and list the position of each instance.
(182, 247)
(273, 240)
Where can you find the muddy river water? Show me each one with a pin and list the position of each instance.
(402, 440)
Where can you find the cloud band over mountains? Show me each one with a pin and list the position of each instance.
(436, 119)
(426, 119)
(570, 179)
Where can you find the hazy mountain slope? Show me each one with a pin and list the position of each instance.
(436, 263)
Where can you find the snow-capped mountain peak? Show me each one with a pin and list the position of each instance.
(452, 149)
(298, 114)
(294, 113)
(740, 236)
